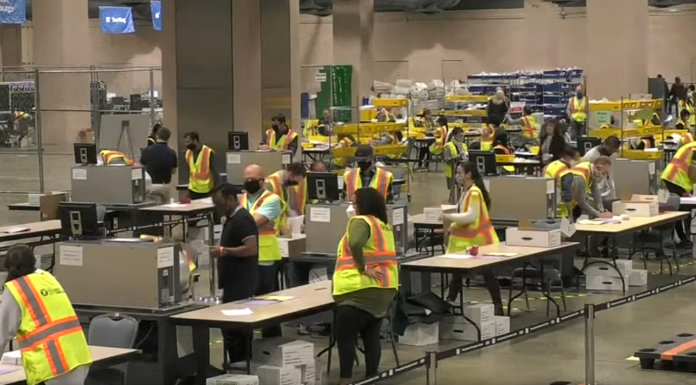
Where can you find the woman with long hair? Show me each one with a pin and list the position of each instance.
(552, 143)
(455, 150)
(472, 226)
(365, 282)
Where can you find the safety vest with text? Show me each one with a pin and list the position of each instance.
(50, 337)
(440, 139)
(114, 158)
(200, 176)
(677, 171)
(381, 181)
(281, 143)
(269, 248)
(577, 109)
(478, 233)
(530, 127)
(379, 252)
(454, 152)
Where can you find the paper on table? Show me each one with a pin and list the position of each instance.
(14, 230)
(499, 254)
(457, 256)
(9, 369)
(279, 298)
(233, 312)
(590, 222)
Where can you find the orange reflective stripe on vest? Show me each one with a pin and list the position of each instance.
(501, 147)
(484, 227)
(529, 128)
(201, 173)
(286, 139)
(276, 183)
(381, 257)
(354, 182)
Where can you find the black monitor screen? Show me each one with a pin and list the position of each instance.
(85, 153)
(484, 161)
(237, 141)
(322, 186)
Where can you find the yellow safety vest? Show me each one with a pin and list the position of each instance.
(530, 127)
(296, 194)
(200, 177)
(577, 109)
(379, 252)
(114, 157)
(439, 144)
(344, 142)
(269, 248)
(478, 233)
(555, 169)
(50, 337)
(380, 181)
(583, 169)
(449, 170)
(677, 171)
(689, 107)
(283, 142)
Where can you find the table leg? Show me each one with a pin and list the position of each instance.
(201, 345)
(166, 350)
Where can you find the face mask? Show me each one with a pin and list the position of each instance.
(275, 126)
(350, 211)
(459, 179)
(191, 146)
(291, 183)
(365, 165)
(579, 95)
(252, 186)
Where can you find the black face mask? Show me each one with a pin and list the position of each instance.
(291, 183)
(364, 165)
(252, 186)
(191, 146)
(275, 126)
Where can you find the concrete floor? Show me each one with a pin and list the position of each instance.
(555, 354)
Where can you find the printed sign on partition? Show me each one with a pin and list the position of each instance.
(156, 8)
(13, 11)
(116, 20)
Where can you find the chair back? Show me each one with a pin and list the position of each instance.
(113, 330)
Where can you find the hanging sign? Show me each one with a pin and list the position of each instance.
(116, 20)
(13, 11)
(156, 8)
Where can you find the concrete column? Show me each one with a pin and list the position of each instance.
(11, 45)
(246, 58)
(61, 35)
(353, 26)
(617, 32)
(540, 20)
(280, 60)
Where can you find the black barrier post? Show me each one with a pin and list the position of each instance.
(431, 367)
(589, 345)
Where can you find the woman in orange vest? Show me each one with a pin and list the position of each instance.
(472, 226)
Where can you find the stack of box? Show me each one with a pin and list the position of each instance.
(284, 361)
(604, 277)
(483, 315)
(436, 215)
(638, 277)
(233, 379)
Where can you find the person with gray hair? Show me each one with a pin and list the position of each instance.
(610, 148)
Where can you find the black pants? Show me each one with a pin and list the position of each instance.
(680, 226)
(491, 284)
(577, 129)
(196, 195)
(351, 321)
(236, 341)
(268, 283)
(423, 152)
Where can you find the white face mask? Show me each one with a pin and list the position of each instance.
(350, 211)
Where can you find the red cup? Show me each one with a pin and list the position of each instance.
(474, 251)
(185, 200)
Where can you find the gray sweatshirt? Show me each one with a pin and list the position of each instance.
(579, 187)
(605, 185)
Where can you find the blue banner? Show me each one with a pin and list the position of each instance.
(156, 7)
(13, 11)
(116, 20)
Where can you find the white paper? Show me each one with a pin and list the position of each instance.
(165, 257)
(79, 174)
(233, 312)
(487, 184)
(320, 214)
(137, 174)
(567, 228)
(285, 159)
(70, 255)
(662, 195)
(457, 256)
(398, 217)
(550, 186)
(340, 182)
(651, 168)
(284, 253)
(233, 158)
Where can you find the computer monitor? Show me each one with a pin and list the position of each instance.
(79, 220)
(85, 153)
(322, 186)
(586, 143)
(237, 141)
(484, 161)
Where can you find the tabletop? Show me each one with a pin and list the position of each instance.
(306, 299)
(36, 229)
(198, 206)
(99, 353)
(632, 224)
(442, 263)
(24, 206)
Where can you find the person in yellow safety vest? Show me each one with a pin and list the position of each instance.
(440, 135)
(679, 177)
(367, 175)
(280, 137)
(115, 158)
(36, 310)
(557, 169)
(687, 104)
(267, 209)
(344, 141)
(365, 282)
(455, 152)
(487, 138)
(683, 122)
(203, 175)
(291, 186)
(577, 111)
(426, 122)
(501, 147)
(472, 226)
(392, 138)
(527, 122)
(579, 185)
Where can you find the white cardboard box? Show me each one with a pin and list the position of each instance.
(636, 209)
(602, 269)
(279, 375)
(282, 351)
(480, 313)
(12, 358)
(432, 215)
(420, 335)
(514, 236)
(307, 372)
(600, 283)
(638, 278)
(502, 325)
(233, 379)
(457, 328)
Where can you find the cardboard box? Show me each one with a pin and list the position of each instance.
(420, 335)
(233, 379)
(525, 234)
(279, 375)
(600, 283)
(437, 214)
(282, 351)
(601, 269)
(638, 278)
(12, 358)
(502, 325)
(480, 313)
(293, 246)
(457, 328)
(307, 372)
(636, 208)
